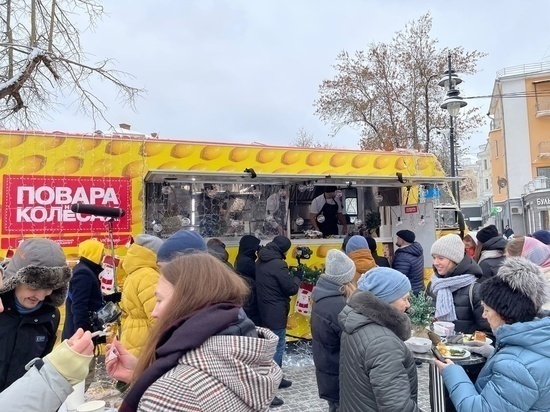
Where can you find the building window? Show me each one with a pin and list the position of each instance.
(486, 184)
(496, 149)
(484, 164)
(544, 221)
(543, 171)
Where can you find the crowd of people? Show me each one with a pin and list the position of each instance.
(200, 332)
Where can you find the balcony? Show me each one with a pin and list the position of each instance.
(544, 149)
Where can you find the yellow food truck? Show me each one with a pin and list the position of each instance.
(221, 190)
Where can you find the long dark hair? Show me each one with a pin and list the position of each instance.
(199, 280)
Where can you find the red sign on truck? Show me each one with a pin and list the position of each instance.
(41, 205)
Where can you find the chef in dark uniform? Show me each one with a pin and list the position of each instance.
(326, 212)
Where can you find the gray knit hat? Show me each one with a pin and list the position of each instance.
(149, 241)
(450, 247)
(339, 268)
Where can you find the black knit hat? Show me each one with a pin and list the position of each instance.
(282, 243)
(517, 292)
(407, 235)
(487, 233)
(372, 243)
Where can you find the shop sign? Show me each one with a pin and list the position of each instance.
(42, 204)
(543, 201)
(411, 209)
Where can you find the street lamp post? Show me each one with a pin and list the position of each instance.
(452, 103)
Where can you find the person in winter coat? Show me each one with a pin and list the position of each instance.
(245, 266)
(85, 294)
(274, 287)
(379, 260)
(204, 354)
(35, 284)
(533, 250)
(455, 290)
(454, 286)
(217, 248)
(138, 294)
(329, 298)
(51, 378)
(515, 377)
(182, 242)
(470, 243)
(409, 259)
(377, 370)
(489, 251)
(542, 236)
(358, 250)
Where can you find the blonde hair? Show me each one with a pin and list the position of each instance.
(347, 289)
(514, 247)
(199, 280)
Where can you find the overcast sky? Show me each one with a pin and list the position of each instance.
(249, 70)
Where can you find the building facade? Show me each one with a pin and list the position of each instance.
(519, 142)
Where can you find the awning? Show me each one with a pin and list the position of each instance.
(189, 176)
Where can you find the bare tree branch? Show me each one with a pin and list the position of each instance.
(41, 56)
(390, 94)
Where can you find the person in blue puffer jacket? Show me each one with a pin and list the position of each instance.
(516, 376)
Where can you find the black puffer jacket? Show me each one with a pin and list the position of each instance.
(245, 266)
(494, 247)
(467, 321)
(328, 302)
(24, 337)
(274, 286)
(377, 370)
(409, 260)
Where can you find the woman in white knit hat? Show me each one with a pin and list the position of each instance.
(455, 290)
(453, 286)
(329, 298)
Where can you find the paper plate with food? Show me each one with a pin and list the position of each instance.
(476, 339)
(453, 352)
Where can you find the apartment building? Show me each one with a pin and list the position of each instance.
(519, 147)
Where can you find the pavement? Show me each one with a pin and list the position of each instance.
(298, 367)
(302, 396)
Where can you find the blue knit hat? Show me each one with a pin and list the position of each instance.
(542, 236)
(385, 283)
(181, 242)
(356, 243)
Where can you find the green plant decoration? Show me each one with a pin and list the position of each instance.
(422, 310)
(310, 275)
(372, 221)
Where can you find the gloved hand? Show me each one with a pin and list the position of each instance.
(485, 350)
(72, 357)
(113, 297)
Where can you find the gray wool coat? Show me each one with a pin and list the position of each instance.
(377, 370)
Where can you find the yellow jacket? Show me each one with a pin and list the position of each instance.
(363, 262)
(138, 296)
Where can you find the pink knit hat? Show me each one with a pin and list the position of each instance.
(536, 251)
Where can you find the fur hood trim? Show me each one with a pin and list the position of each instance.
(527, 278)
(40, 277)
(381, 313)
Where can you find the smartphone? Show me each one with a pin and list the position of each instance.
(438, 355)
